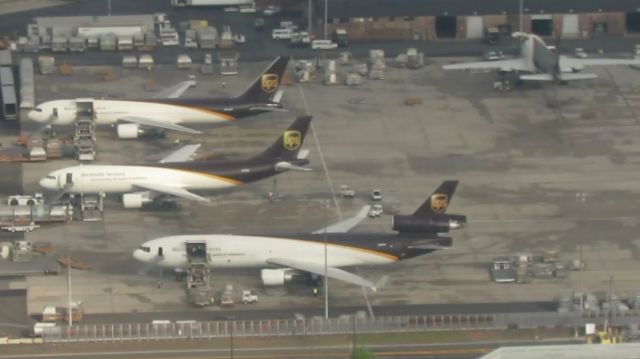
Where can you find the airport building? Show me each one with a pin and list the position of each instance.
(467, 19)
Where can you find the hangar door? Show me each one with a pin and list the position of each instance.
(474, 27)
(570, 26)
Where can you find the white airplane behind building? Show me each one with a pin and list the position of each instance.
(539, 63)
(133, 116)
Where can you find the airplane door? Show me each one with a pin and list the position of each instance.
(160, 252)
(69, 179)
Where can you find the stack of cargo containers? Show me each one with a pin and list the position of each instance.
(9, 98)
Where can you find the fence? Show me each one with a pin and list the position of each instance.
(321, 326)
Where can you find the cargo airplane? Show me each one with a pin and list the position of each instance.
(132, 117)
(539, 63)
(282, 258)
(176, 176)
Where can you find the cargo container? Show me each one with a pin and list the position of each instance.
(6, 76)
(77, 44)
(145, 61)
(108, 43)
(59, 44)
(5, 57)
(9, 103)
(208, 38)
(130, 61)
(125, 43)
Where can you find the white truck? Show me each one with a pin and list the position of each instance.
(248, 297)
(25, 200)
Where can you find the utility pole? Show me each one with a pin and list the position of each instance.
(108, 7)
(310, 19)
(521, 15)
(231, 341)
(326, 265)
(326, 19)
(69, 309)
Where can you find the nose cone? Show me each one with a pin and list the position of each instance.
(139, 255)
(37, 116)
(47, 183)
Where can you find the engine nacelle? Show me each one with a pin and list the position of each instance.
(272, 277)
(128, 131)
(134, 200)
(434, 224)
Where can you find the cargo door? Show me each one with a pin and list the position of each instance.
(570, 26)
(475, 29)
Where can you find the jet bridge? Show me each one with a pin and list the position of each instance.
(199, 289)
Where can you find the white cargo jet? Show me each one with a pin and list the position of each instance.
(132, 116)
(176, 176)
(284, 257)
(539, 63)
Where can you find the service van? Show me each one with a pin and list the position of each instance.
(281, 34)
(323, 45)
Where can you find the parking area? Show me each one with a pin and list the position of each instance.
(541, 168)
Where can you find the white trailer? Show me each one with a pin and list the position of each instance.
(181, 3)
(97, 31)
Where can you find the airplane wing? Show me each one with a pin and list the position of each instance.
(173, 191)
(318, 269)
(502, 65)
(183, 154)
(570, 64)
(346, 225)
(164, 125)
(175, 91)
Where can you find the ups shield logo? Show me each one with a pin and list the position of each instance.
(269, 82)
(292, 140)
(439, 202)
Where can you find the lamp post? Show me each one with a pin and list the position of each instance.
(521, 19)
(326, 265)
(326, 19)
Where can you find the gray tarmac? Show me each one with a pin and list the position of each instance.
(542, 168)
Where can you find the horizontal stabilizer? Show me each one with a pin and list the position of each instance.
(176, 90)
(346, 225)
(278, 96)
(537, 77)
(303, 154)
(578, 76)
(288, 166)
(183, 154)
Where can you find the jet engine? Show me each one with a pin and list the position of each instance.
(434, 224)
(135, 200)
(128, 131)
(272, 277)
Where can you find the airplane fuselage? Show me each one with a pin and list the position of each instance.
(243, 251)
(203, 175)
(107, 112)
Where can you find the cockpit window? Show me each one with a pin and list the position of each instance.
(145, 249)
(37, 109)
(50, 177)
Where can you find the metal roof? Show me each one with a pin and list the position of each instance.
(387, 8)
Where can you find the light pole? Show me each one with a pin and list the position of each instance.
(326, 7)
(326, 265)
(581, 198)
(310, 20)
(521, 20)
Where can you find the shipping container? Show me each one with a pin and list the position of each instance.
(6, 76)
(9, 103)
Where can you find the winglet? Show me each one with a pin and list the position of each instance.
(183, 154)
